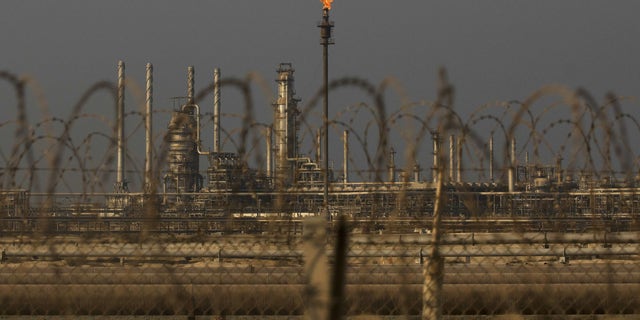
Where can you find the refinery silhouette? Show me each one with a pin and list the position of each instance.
(591, 174)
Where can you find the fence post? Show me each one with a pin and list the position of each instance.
(433, 272)
(339, 271)
(316, 268)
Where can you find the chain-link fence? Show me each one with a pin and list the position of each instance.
(551, 273)
(261, 235)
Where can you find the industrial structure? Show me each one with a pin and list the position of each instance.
(293, 185)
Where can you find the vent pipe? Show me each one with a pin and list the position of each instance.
(148, 186)
(121, 184)
(491, 158)
(512, 165)
(345, 158)
(436, 152)
(459, 159)
(269, 149)
(392, 165)
(216, 110)
(190, 84)
(452, 157)
(318, 145)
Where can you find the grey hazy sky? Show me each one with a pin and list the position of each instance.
(493, 50)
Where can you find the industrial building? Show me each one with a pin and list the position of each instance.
(292, 185)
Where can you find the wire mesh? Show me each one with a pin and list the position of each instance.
(524, 240)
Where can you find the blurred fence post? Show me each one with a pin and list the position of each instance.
(433, 271)
(339, 270)
(316, 268)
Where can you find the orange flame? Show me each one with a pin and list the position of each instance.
(327, 4)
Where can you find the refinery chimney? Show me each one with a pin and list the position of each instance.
(121, 183)
(491, 158)
(148, 184)
(436, 153)
(452, 156)
(459, 160)
(190, 84)
(392, 166)
(216, 110)
(345, 157)
(512, 165)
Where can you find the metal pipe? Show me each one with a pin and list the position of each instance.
(120, 179)
(325, 41)
(452, 156)
(318, 145)
(197, 116)
(345, 158)
(148, 129)
(190, 84)
(512, 164)
(216, 110)
(392, 166)
(268, 137)
(459, 159)
(491, 158)
(436, 151)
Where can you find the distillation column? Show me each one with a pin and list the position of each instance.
(285, 127)
(182, 155)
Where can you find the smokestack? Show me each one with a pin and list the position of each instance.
(452, 156)
(392, 165)
(190, 84)
(345, 157)
(459, 159)
(512, 165)
(269, 147)
(216, 111)
(148, 130)
(436, 151)
(121, 184)
(491, 158)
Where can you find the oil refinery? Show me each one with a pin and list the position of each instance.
(291, 185)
